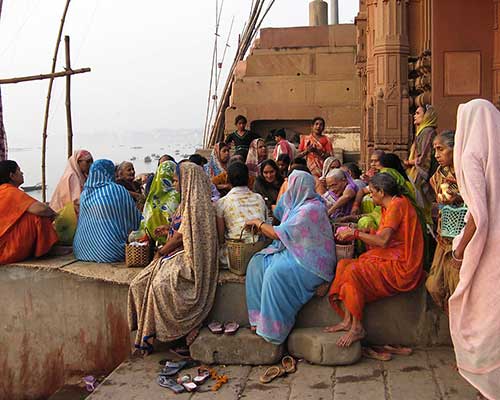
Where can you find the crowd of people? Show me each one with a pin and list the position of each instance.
(290, 196)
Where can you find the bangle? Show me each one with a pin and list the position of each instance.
(455, 258)
(260, 226)
(356, 234)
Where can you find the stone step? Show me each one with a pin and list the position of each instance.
(243, 348)
(318, 347)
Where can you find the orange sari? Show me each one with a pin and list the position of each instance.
(22, 235)
(314, 161)
(379, 272)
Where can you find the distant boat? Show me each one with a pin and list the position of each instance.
(156, 157)
(133, 158)
(147, 159)
(33, 188)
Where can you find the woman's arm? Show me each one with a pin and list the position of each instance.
(380, 239)
(41, 210)
(173, 243)
(346, 197)
(266, 229)
(221, 229)
(358, 199)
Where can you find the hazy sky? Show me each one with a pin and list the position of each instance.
(150, 60)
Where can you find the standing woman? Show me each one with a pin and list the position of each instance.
(70, 186)
(218, 160)
(421, 162)
(241, 137)
(316, 147)
(107, 215)
(474, 311)
(268, 183)
(256, 156)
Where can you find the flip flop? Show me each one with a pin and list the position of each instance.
(169, 383)
(190, 386)
(202, 377)
(289, 364)
(90, 382)
(215, 327)
(230, 328)
(367, 352)
(271, 374)
(397, 350)
(171, 368)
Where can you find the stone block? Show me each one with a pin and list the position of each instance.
(304, 36)
(243, 348)
(318, 347)
(336, 65)
(342, 35)
(339, 93)
(279, 65)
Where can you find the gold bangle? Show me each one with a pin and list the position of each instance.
(260, 226)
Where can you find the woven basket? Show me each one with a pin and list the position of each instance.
(137, 256)
(452, 220)
(239, 253)
(344, 251)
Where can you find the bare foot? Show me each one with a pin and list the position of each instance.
(253, 329)
(191, 336)
(350, 337)
(341, 327)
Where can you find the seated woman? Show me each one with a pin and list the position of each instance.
(340, 194)
(218, 160)
(25, 224)
(374, 165)
(107, 215)
(162, 201)
(283, 163)
(173, 295)
(70, 186)
(149, 181)
(283, 277)
(391, 266)
(445, 271)
(352, 169)
(256, 156)
(330, 164)
(237, 207)
(268, 183)
(125, 176)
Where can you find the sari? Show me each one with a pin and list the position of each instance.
(162, 201)
(253, 162)
(22, 234)
(444, 276)
(283, 147)
(331, 198)
(214, 166)
(314, 161)
(173, 295)
(283, 277)
(70, 186)
(382, 272)
(473, 307)
(107, 215)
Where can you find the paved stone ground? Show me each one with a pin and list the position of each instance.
(426, 375)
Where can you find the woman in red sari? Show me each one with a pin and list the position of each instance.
(316, 147)
(394, 263)
(26, 224)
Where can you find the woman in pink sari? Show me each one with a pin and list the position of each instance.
(70, 185)
(474, 311)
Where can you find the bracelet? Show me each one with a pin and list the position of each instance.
(260, 226)
(356, 234)
(455, 258)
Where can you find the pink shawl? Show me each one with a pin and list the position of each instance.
(253, 161)
(70, 185)
(474, 307)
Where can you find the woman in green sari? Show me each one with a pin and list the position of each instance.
(162, 201)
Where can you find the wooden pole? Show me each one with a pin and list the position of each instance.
(47, 103)
(44, 76)
(69, 122)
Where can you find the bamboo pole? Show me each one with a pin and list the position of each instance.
(47, 103)
(69, 121)
(44, 76)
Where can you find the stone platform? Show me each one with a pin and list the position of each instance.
(428, 374)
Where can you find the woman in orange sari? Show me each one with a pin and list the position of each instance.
(394, 263)
(316, 147)
(26, 224)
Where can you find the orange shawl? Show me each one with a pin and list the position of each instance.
(13, 204)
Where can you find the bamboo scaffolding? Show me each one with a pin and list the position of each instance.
(44, 76)
(47, 104)
(69, 122)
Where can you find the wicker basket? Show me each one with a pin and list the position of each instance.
(452, 220)
(137, 256)
(239, 253)
(344, 251)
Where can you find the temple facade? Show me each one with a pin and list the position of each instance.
(415, 52)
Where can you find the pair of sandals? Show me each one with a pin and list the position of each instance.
(165, 377)
(229, 328)
(185, 383)
(385, 353)
(288, 366)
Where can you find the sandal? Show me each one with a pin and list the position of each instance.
(230, 328)
(368, 352)
(215, 327)
(271, 374)
(169, 383)
(90, 382)
(171, 368)
(190, 386)
(289, 364)
(398, 350)
(202, 377)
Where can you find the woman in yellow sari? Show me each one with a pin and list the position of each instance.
(421, 163)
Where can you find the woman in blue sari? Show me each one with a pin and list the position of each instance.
(283, 277)
(107, 215)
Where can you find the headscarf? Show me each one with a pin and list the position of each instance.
(473, 307)
(214, 166)
(430, 119)
(107, 215)
(71, 184)
(253, 158)
(162, 200)
(305, 229)
(327, 166)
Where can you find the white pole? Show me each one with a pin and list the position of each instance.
(334, 12)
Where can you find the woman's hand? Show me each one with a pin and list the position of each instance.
(345, 235)
(162, 230)
(253, 223)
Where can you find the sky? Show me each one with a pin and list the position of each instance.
(150, 63)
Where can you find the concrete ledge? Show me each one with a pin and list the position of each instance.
(243, 348)
(318, 347)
